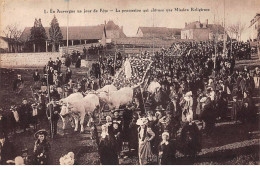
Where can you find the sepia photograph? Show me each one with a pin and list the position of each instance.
(129, 82)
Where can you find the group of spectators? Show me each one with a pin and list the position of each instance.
(193, 81)
(96, 49)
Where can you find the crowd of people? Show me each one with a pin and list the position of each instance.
(174, 90)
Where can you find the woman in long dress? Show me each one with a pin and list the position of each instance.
(145, 135)
(187, 113)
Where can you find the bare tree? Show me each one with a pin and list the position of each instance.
(236, 30)
(13, 33)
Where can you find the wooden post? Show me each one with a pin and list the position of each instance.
(72, 42)
(34, 47)
(46, 46)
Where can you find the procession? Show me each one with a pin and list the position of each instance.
(117, 84)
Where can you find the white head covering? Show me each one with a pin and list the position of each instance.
(165, 133)
(142, 121)
(188, 94)
(19, 160)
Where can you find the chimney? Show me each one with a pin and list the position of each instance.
(207, 21)
(105, 22)
(186, 24)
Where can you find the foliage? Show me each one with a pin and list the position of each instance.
(55, 33)
(38, 33)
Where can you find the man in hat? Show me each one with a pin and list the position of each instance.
(53, 110)
(50, 62)
(3, 124)
(36, 76)
(25, 112)
(190, 139)
(78, 62)
(7, 150)
(127, 118)
(68, 75)
(44, 80)
(18, 84)
(54, 93)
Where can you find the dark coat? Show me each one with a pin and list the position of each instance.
(25, 115)
(190, 139)
(127, 118)
(108, 154)
(7, 152)
(168, 153)
(133, 136)
(36, 77)
(39, 148)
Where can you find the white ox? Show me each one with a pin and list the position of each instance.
(107, 88)
(114, 99)
(79, 108)
(72, 98)
(64, 102)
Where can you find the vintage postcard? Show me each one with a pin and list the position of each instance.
(129, 82)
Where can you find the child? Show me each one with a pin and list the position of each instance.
(166, 150)
(41, 148)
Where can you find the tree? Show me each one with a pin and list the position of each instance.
(55, 33)
(13, 33)
(38, 35)
(236, 30)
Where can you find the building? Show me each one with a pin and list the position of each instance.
(113, 31)
(158, 32)
(203, 31)
(9, 45)
(253, 27)
(76, 35)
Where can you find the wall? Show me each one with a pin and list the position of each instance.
(112, 34)
(3, 44)
(201, 34)
(254, 30)
(24, 60)
(187, 34)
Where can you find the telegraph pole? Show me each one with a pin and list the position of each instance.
(153, 34)
(224, 48)
(68, 27)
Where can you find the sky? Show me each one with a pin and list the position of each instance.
(24, 12)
